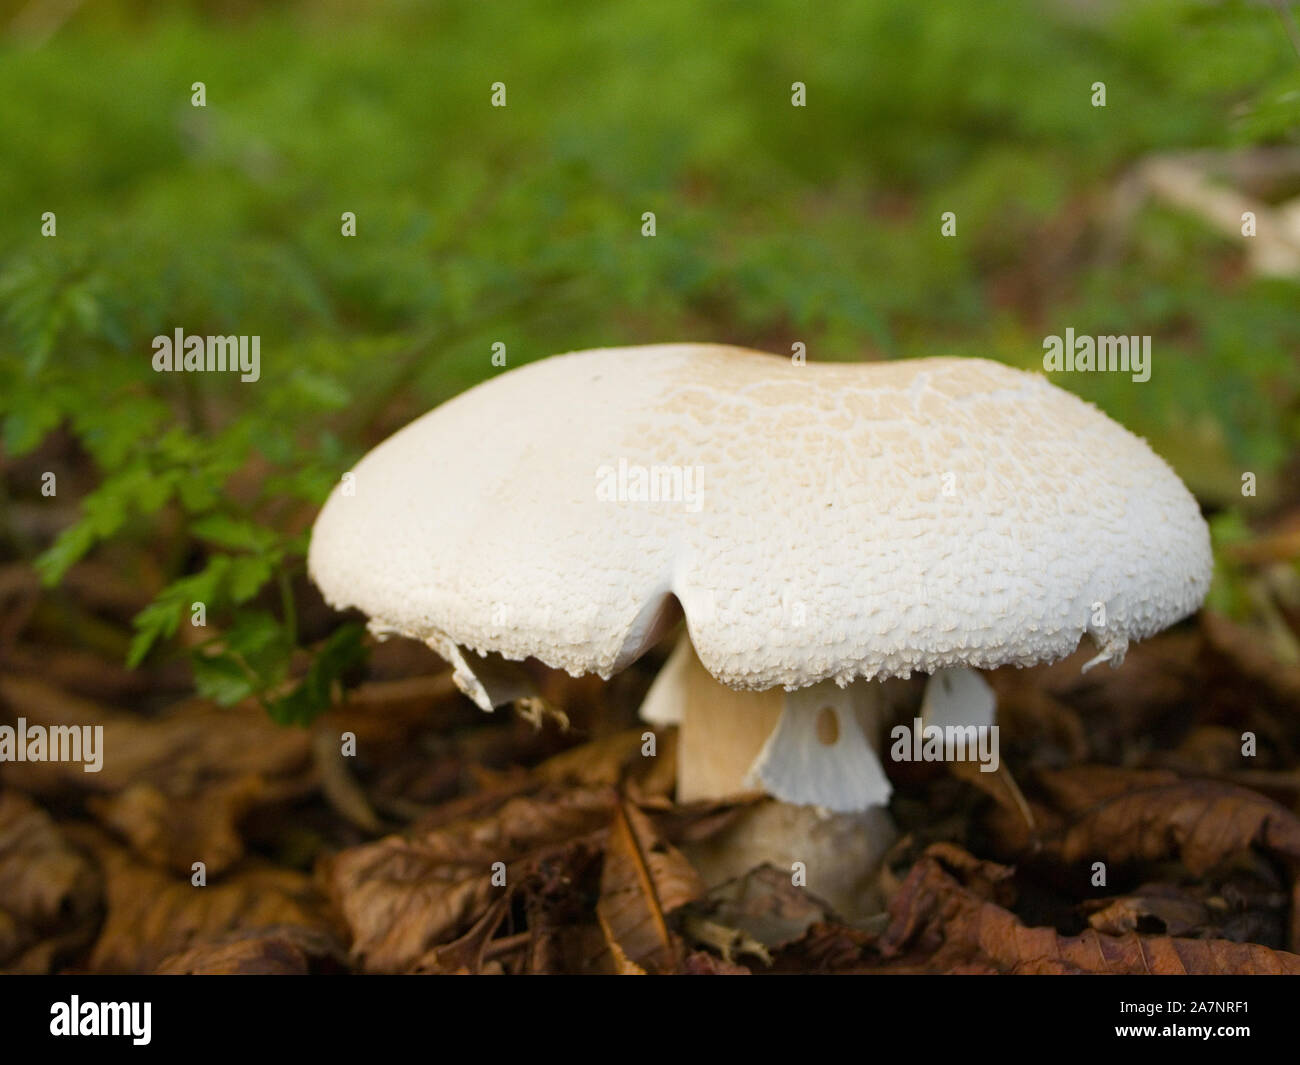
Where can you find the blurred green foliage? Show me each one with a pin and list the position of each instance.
(522, 225)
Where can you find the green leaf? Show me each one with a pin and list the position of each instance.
(262, 644)
(158, 621)
(253, 632)
(248, 573)
(68, 549)
(27, 425)
(222, 677)
(161, 618)
(344, 649)
(238, 534)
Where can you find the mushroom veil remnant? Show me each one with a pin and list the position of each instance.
(823, 527)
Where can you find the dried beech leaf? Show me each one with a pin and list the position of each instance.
(622, 964)
(702, 963)
(1046, 727)
(1060, 715)
(289, 950)
(80, 671)
(46, 886)
(828, 948)
(644, 879)
(1207, 750)
(385, 715)
(1079, 788)
(192, 743)
(765, 906)
(618, 759)
(1177, 915)
(468, 953)
(1251, 656)
(1200, 822)
(580, 949)
(698, 821)
(940, 924)
(153, 916)
(403, 896)
(655, 779)
(1010, 835)
(175, 831)
(563, 936)
(601, 762)
(175, 787)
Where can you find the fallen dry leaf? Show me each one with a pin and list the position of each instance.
(644, 879)
(175, 831)
(48, 889)
(1251, 657)
(702, 963)
(174, 787)
(578, 948)
(563, 935)
(403, 896)
(285, 950)
(828, 948)
(944, 919)
(1121, 815)
(385, 715)
(152, 915)
(763, 907)
(1159, 908)
(618, 759)
(469, 953)
(1046, 729)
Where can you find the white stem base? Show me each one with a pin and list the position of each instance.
(836, 856)
(814, 749)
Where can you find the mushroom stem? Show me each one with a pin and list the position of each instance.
(721, 731)
(813, 748)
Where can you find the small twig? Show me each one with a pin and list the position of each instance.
(1018, 797)
(506, 945)
(341, 790)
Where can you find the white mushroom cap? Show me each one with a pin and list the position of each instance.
(831, 520)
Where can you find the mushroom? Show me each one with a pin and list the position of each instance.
(823, 528)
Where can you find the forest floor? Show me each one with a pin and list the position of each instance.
(1179, 772)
